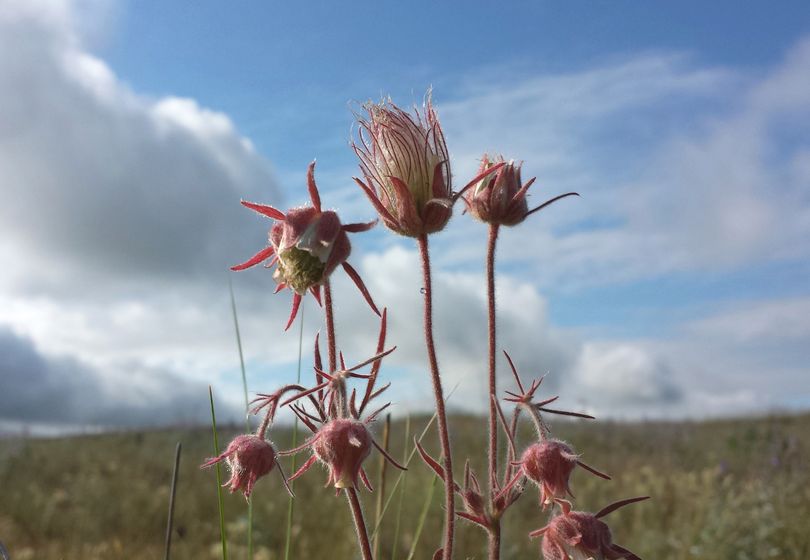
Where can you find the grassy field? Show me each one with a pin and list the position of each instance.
(721, 490)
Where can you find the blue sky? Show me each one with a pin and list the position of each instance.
(676, 286)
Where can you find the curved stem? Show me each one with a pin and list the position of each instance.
(438, 393)
(495, 532)
(359, 523)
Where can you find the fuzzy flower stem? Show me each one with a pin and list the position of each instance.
(438, 393)
(330, 326)
(494, 539)
(538, 422)
(495, 531)
(351, 493)
(359, 522)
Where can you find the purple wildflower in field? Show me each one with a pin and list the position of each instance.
(249, 458)
(306, 244)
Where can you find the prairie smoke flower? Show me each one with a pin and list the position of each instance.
(306, 244)
(549, 464)
(404, 160)
(249, 458)
(500, 198)
(582, 536)
(342, 444)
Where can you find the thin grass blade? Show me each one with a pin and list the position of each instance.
(172, 494)
(423, 517)
(220, 500)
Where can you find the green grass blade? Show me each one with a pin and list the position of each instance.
(247, 408)
(395, 548)
(220, 500)
(290, 502)
(407, 464)
(423, 517)
(172, 496)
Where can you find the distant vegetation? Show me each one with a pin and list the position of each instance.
(721, 490)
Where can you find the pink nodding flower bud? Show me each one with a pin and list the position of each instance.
(404, 160)
(583, 536)
(577, 535)
(248, 457)
(343, 444)
(499, 198)
(549, 464)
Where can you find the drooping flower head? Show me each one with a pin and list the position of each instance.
(306, 244)
(406, 167)
(249, 458)
(582, 536)
(549, 464)
(343, 445)
(500, 198)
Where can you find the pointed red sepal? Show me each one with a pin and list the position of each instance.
(359, 227)
(265, 210)
(316, 293)
(261, 256)
(304, 468)
(522, 191)
(388, 456)
(474, 518)
(360, 286)
(626, 554)
(280, 286)
(592, 470)
(538, 532)
(313, 189)
(621, 503)
(366, 481)
(477, 178)
(567, 413)
(296, 303)
(301, 447)
(432, 463)
(375, 201)
(547, 203)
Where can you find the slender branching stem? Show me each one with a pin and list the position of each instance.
(351, 493)
(438, 393)
(495, 530)
(359, 523)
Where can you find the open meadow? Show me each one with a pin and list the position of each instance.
(721, 490)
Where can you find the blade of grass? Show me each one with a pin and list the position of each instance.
(423, 517)
(408, 462)
(381, 483)
(290, 502)
(220, 500)
(247, 409)
(172, 494)
(395, 548)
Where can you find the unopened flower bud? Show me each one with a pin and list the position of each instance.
(342, 445)
(248, 457)
(499, 198)
(549, 464)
